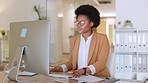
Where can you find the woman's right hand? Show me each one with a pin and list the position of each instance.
(55, 69)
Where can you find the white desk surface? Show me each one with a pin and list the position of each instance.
(45, 79)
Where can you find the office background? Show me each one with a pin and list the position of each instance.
(60, 12)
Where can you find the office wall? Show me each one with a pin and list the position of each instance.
(134, 10)
(53, 8)
(61, 12)
(14, 11)
(68, 24)
(18, 10)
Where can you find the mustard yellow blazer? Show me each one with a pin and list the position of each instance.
(97, 56)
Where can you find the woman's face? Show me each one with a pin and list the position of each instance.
(83, 24)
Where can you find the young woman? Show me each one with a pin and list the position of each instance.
(88, 50)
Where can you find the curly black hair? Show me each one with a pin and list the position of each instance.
(91, 12)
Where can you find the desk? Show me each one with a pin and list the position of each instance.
(45, 79)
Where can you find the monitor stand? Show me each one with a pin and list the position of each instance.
(15, 65)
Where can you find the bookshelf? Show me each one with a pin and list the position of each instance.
(131, 53)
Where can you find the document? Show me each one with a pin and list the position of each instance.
(88, 78)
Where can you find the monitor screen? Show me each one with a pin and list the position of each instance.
(35, 36)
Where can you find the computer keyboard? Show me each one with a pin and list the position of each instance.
(63, 75)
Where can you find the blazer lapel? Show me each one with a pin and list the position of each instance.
(76, 49)
(92, 46)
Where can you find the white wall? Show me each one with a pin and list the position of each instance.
(68, 24)
(62, 25)
(18, 10)
(56, 30)
(134, 10)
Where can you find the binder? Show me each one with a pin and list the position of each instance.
(139, 42)
(143, 41)
(140, 63)
(125, 42)
(144, 63)
(130, 63)
(126, 63)
(121, 38)
(134, 42)
(117, 41)
(147, 61)
(134, 63)
(121, 64)
(147, 42)
(130, 40)
(117, 63)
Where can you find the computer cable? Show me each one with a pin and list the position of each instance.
(8, 73)
(6, 68)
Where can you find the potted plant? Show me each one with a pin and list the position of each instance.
(128, 24)
(119, 25)
(38, 9)
(3, 32)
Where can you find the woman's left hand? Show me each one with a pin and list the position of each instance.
(77, 73)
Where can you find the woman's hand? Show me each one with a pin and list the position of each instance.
(55, 69)
(77, 73)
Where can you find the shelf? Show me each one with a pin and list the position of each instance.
(131, 53)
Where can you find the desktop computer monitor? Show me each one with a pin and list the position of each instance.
(35, 36)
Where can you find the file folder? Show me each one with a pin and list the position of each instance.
(134, 63)
(117, 41)
(139, 42)
(134, 42)
(143, 41)
(140, 63)
(125, 42)
(130, 63)
(121, 40)
(117, 63)
(121, 66)
(147, 62)
(147, 42)
(130, 40)
(126, 62)
(144, 63)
